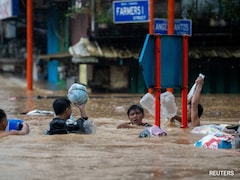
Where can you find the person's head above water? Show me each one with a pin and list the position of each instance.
(2, 115)
(135, 114)
(62, 107)
(3, 120)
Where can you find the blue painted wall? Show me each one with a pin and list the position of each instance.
(52, 44)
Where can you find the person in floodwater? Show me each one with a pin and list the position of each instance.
(62, 122)
(135, 114)
(12, 126)
(194, 109)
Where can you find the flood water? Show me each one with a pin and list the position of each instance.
(110, 153)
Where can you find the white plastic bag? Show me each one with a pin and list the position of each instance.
(77, 94)
(192, 90)
(168, 105)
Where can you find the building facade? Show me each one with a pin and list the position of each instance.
(77, 41)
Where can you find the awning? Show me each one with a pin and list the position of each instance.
(55, 56)
(84, 60)
(86, 48)
(68, 56)
(86, 51)
(12, 60)
(223, 53)
(107, 49)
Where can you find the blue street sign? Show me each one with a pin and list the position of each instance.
(181, 26)
(9, 8)
(130, 11)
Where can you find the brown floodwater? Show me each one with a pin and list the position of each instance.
(110, 153)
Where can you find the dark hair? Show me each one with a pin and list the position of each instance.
(200, 110)
(60, 105)
(2, 114)
(135, 107)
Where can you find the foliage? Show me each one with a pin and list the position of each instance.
(73, 12)
(232, 9)
(104, 15)
(229, 10)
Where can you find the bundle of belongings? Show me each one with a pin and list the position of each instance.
(152, 131)
(221, 136)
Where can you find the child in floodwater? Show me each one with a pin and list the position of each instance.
(62, 122)
(135, 114)
(12, 126)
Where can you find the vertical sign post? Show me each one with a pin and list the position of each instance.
(29, 44)
(185, 81)
(151, 26)
(170, 24)
(151, 16)
(158, 82)
(170, 17)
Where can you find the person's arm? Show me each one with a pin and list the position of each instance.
(23, 131)
(176, 117)
(82, 110)
(125, 125)
(4, 134)
(195, 101)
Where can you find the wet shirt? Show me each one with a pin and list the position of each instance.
(14, 124)
(59, 126)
